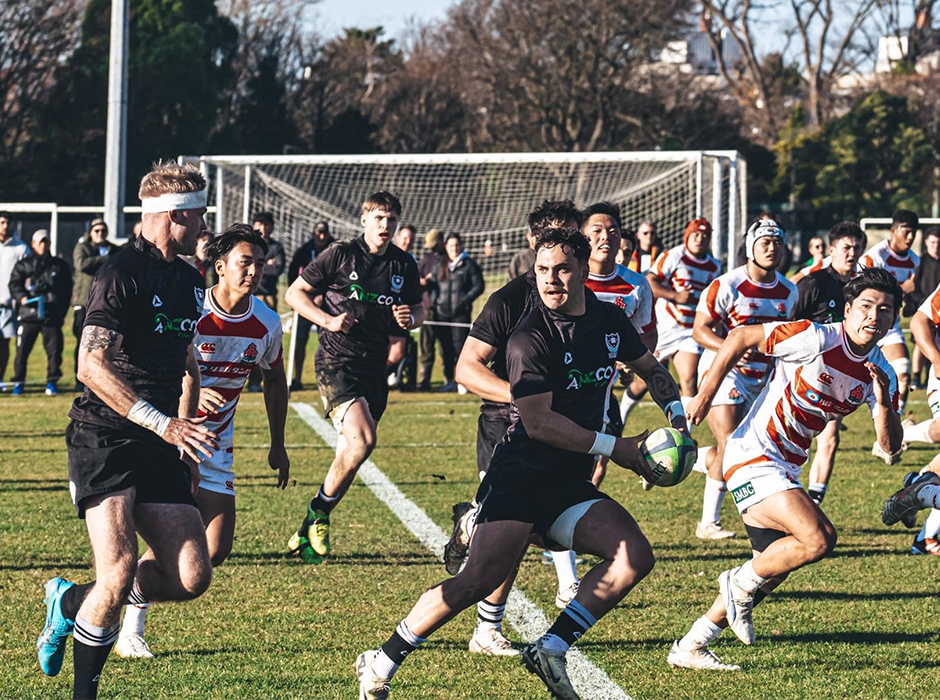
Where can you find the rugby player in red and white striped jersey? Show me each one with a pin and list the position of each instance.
(752, 293)
(822, 371)
(678, 277)
(895, 256)
(236, 334)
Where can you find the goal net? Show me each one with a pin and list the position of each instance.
(484, 197)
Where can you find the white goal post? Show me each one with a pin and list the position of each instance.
(484, 197)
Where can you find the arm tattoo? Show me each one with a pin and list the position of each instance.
(662, 386)
(98, 338)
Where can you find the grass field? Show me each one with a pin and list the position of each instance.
(862, 623)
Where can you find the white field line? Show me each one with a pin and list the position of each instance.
(528, 620)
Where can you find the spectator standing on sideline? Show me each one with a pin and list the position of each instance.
(274, 263)
(816, 253)
(457, 282)
(91, 252)
(398, 338)
(433, 254)
(41, 284)
(926, 279)
(200, 260)
(320, 239)
(263, 223)
(648, 247)
(523, 261)
(12, 250)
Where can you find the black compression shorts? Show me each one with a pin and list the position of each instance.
(107, 460)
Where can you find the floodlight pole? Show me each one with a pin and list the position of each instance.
(116, 148)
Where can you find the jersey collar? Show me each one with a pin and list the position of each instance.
(214, 307)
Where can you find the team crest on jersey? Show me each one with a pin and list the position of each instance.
(613, 343)
(251, 353)
(200, 295)
(856, 395)
(397, 282)
(568, 358)
(353, 275)
(620, 302)
(734, 393)
(782, 309)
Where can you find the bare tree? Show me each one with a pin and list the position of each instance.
(831, 39)
(35, 37)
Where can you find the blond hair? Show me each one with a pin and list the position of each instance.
(384, 201)
(168, 177)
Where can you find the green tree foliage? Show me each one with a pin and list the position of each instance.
(178, 58)
(872, 160)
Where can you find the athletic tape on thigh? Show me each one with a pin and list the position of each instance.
(562, 530)
(902, 365)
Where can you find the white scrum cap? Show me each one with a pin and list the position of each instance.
(759, 229)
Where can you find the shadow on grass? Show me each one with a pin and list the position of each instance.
(361, 559)
(31, 433)
(9, 489)
(867, 638)
(46, 566)
(842, 595)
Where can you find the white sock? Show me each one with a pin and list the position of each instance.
(931, 526)
(919, 432)
(490, 616)
(818, 488)
(701, 459)
(747, 580)
(711, 502)
(565, 569)
(685, 400)
(627, 404)
(702, 633)
(384, 666)
(135, 616)
(929, 496)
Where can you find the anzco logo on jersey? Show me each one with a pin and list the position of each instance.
(583, 380)
(613, 344)
(180, 326)
(360, 294)
(251, 353)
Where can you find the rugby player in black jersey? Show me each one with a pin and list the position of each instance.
(821, 300)
(131, 459)
(560, 359)
(481, 368)
(368, 286)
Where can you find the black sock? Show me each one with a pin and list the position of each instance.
(322, 502)
(572, 623)
(72, 599)
(90, 651)
(402, 642)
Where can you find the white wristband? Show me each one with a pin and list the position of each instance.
(146, 416)
(411, 323)
(603, 444)
(673, 409)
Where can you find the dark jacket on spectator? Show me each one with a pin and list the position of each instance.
(305, 255)
(86, 259)
(926, 280)
(47, 276)
(272, 272)
(454, 291)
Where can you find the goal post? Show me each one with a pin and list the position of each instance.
(484, 197)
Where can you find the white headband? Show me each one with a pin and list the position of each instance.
(173, 202)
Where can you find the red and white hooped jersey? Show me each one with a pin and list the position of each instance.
(678, 270)
(228, 348)
(733, 300)
(816, 379)
(901, 266)
(628, 290)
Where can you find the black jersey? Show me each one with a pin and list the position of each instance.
(821, 298)
(154, 305)
(366, 286)
(496, 322)
(573, 358)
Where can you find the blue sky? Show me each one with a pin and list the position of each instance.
(394, 16)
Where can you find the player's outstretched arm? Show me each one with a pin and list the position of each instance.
(300, 296)
(545, 425)
(662, 388)
(888, 428)
(733, 348)
(473, 371)
(275, 405)
(922, 329)
(96, 353)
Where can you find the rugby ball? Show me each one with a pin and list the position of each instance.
(669, 454)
